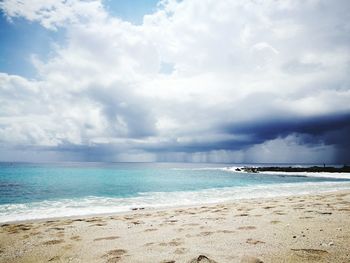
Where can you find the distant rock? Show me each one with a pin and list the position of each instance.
(312, 169)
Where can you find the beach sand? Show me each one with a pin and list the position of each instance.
(313, 228)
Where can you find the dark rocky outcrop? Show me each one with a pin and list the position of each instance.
(312, 169)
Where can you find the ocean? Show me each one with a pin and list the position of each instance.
(36, 191)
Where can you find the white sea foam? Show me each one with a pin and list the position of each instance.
(306, 174)
(101, 205)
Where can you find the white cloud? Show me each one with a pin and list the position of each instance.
(54, 13)
(233, 62)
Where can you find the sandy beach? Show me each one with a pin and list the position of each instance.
(312, 228)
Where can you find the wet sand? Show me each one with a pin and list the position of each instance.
(314, 228)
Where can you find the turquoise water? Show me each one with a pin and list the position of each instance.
(30, 191)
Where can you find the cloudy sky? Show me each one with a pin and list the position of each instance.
(192, 80)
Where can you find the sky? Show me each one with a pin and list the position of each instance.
(234, 81)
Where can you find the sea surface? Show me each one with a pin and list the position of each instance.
(36, 191)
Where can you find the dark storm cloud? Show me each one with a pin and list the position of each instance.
(331, 129)
(317, 127)
(326, 130)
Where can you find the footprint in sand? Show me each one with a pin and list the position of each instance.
(180, 251)
(163, 244)
(136, 222)
(59, 234)
(243, 214)
(274, 222)
(106, 238)
(180, 229)
(67, 222)
(78, 220)
(171, 221)
(279, 213)
(310, 254)
(254, 241)
(225, 231)
(57, 228)
(173, 243)
(99, 224)
(13, 229)
(93, 220)
(115, 255)
(205, 233)
(308, 211)
(148, 244)
(323, 213)
(344, 209)
(298, 208)
(268, 207)
(306, 217)
(35, 233)
(246, 228)
(75, 238)
(68, 247)
(150, 230)
(55, 258)
(53, 242)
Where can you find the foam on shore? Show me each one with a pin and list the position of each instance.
(232, 169)
(306, 174)
(103, 205)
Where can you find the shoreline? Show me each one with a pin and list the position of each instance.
(297, 228)
(142, 210)
(222, 195)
